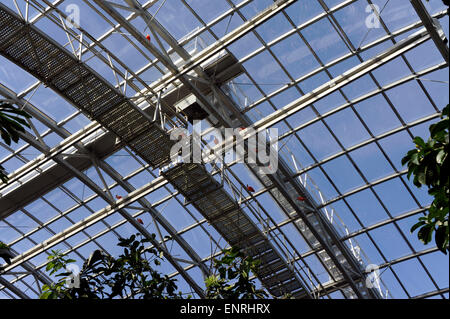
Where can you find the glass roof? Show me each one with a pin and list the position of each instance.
(345, 148)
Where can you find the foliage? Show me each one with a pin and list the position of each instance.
(131, 275)
(429, 163)
(232, 278)
(57, 262)
(105, 277)
(5, 253)
(12, 123)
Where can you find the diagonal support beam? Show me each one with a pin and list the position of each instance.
(13, 288)
(433, 27)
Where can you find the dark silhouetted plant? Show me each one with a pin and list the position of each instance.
(56, 265)
(102, 276)
(132, 275)
(12, 123)
(5, 253)
(429, 164)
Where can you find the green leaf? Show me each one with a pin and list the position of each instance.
(11, 123)
(440, 157)
(419, 224)
(415, 159)
(425, 234)
(439, 127)
(45, 295)
(421, 177)
(419, 141)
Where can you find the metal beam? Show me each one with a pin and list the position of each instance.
(434, 28)
(432, 293)
(13, 288)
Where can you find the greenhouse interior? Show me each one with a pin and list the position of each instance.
(224, 149)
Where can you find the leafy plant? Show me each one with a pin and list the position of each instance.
(104, 277)
(232, 277)
(429, 163)
(57, 262)
(5, 253)
(12, 123)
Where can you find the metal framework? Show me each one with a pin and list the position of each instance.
(66, 192)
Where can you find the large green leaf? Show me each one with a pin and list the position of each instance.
(442, 238)
(440, 157)
(12, 123)
(425, 234)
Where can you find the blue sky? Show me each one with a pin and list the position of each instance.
(288, 58)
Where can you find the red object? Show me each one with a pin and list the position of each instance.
(140, 221)
(118, 197)
(216, 141)
(301, 198)
(250, 189)
(148, 37)
(242, 128)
